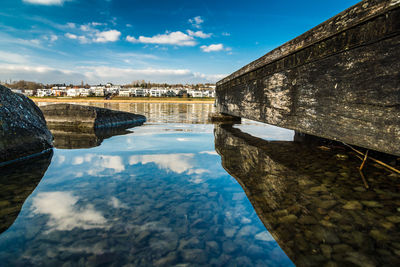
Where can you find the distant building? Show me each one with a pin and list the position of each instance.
(28, 92)
(43, 92)
(18, 91)
(126, 92)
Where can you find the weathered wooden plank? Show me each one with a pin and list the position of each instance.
(342, 83)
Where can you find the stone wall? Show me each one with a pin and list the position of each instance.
(339, 81)
(23, 129)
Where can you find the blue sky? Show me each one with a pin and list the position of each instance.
(119, 41)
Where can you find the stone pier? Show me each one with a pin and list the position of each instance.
(340, 80)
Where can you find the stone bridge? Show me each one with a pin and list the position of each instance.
(340, 80)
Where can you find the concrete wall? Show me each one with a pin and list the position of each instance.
(340, 80)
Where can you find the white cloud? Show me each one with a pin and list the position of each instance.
(97, 23)
(98, 74)
(8, 57)
(35, 41)
(99, 163)
(226, 34)
(94, 35)
(107, 36)
(78, 160)
(71, 25)
(71, 36)
(199, 34)
(211, 152)
(169, 38)
(212, 77)
(212, 48)
(64, 213)
(131, 39)
(196, 21)
(102, 162)
(178, 163)
(88, 27)
(85, 27)
(82, 39)
(116, 203)
(53, 38)
(45, 2)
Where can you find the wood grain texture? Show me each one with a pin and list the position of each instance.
(344, 86)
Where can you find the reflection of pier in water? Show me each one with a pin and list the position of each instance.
(17, 182)
(313, 202)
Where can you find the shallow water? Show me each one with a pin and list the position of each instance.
(155, 196)
(179, 190)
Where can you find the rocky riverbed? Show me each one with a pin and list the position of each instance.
(313, 201)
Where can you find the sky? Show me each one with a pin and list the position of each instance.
(120, 41)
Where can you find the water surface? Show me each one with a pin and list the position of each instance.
(181, 191)
(157, 195)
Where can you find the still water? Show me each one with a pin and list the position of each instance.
(181, 191)
(153, 195)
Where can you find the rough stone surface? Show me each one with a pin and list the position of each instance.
(87, 118)
(339, 81)
(23, 128)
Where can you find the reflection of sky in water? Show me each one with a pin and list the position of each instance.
(158, 196)
(265, 131)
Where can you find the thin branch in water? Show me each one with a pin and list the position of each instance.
(373, 159)
(360, 170)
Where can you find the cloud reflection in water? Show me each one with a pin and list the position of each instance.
(64, 213)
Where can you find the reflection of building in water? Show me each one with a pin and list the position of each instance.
(313, 202)
(161, 112)
(17, 182)
(164, 112)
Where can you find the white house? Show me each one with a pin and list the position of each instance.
(140, 92)
(73, 92)
(155, 92)
(98, 90)
(196, 93)
(126, 92)
(18, 91)
(28, 92)
(43, 92)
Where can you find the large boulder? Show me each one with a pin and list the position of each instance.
(86, 118)
(23, 129)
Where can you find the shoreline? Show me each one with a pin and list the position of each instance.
(91, 100)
